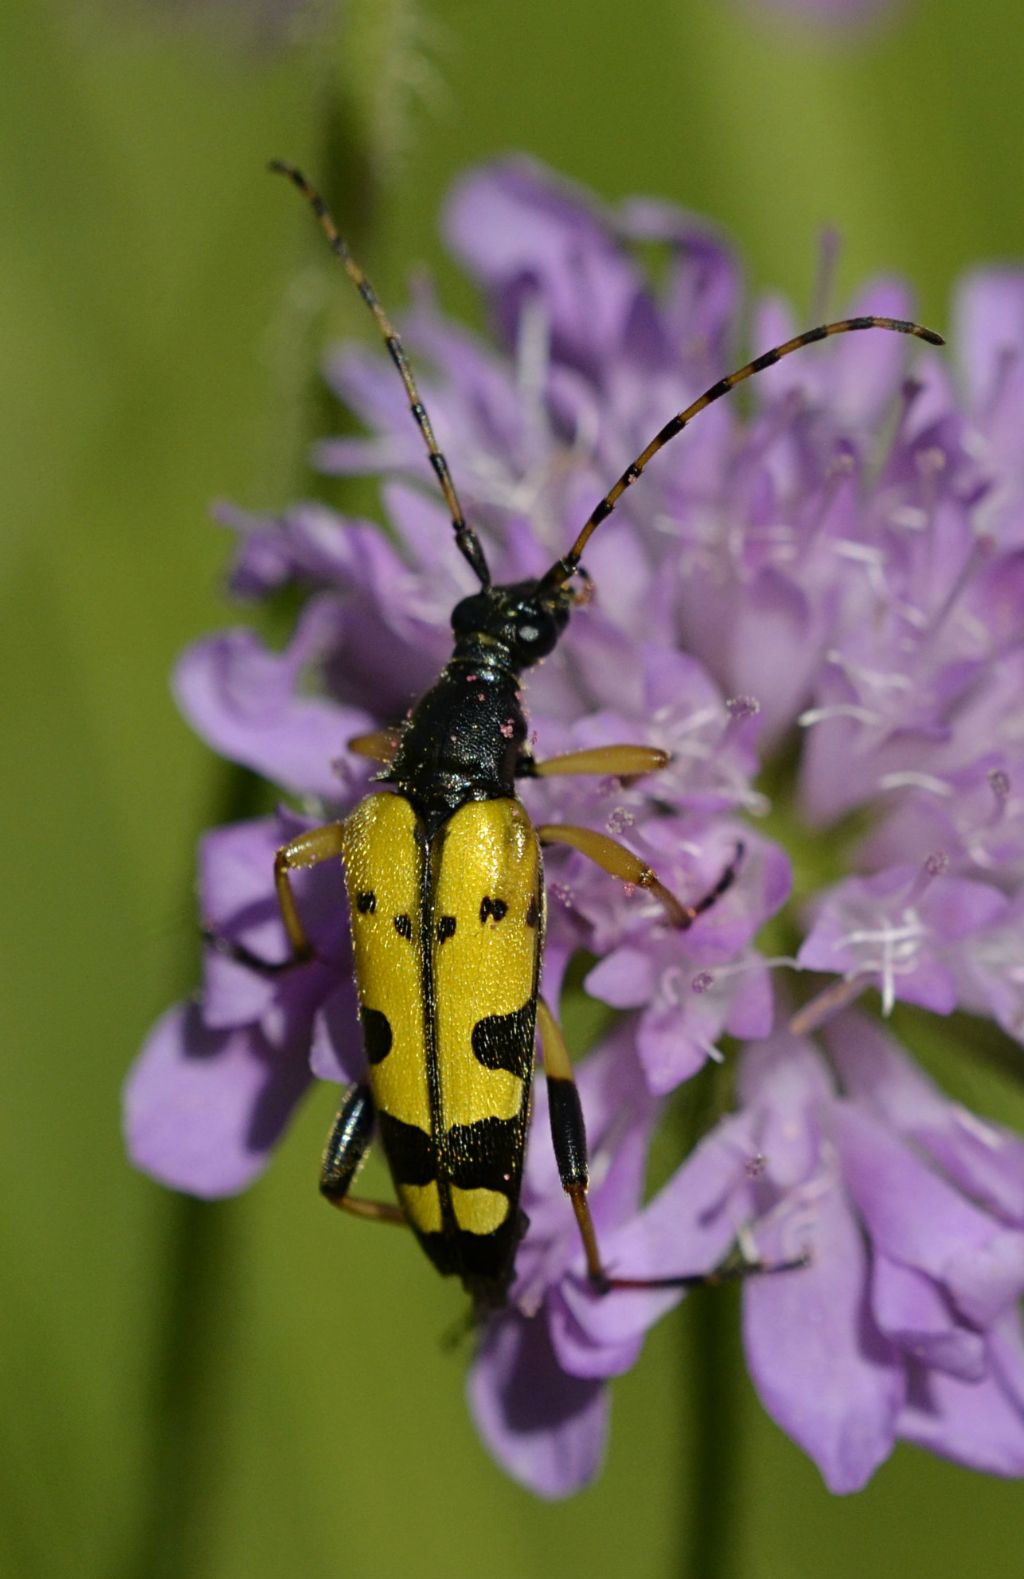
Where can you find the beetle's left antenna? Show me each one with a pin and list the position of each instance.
(468, 543)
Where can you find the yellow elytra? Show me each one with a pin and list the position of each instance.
(447, 935)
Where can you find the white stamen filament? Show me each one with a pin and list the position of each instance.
(977, 1128)
(533, 362)
(820, 715)
(872, 559)
(873, 679)
(687, 737)
(897, 952)
(705, 980)
(909, 779)
(909, 518)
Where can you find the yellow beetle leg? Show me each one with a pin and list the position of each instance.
(621, 762)
(615, 859)
(569, 1138)
(372, 1211)
(381, 744)
(306, 849)
(347, 1145)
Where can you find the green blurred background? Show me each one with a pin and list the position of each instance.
(256, 1388)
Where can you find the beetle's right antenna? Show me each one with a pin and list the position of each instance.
(468, 543)
(564, 569)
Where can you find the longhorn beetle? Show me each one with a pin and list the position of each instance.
(445, 885)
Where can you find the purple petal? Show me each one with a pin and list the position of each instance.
(337, 1045)
(984, 1159)
(1006, 1350)
(239, 904)
(954, 907)
(824, 1372)
(989, 315)
(236, 885)
(703, 289)
(547, 1429)
(246, 702)
(785, 1084)
(916, 1218)
(672, 1047)
(769, 655)
(262, 561)
(841, 16)
(980, 1424)
(524, 234)
(204, 1109)
(911, 1310)
(625, 978)
(752, 1004)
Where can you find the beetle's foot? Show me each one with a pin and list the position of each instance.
(243, 956)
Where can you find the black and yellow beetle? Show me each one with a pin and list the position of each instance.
(446, 893)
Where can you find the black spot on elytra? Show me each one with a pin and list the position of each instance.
(505, 1041)
(409, 1149)
(377, 1037)
(366, 903)
(532, 911)
(445, 928)
(486, 1155)
(403, 926)
(492, 907)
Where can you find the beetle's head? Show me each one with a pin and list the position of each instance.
(526, 619)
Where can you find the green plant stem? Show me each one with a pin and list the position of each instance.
(187, 1383)
(711, 1384)
(712, 1390)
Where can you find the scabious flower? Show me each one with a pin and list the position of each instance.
(263, 22)
(841, 17)
(831, 587)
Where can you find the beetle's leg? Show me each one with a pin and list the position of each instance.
(569, 1138)
(306, 849)
(568, 1134)
(380, 744)
(621, 762)
(347, 1145)
(615, 859)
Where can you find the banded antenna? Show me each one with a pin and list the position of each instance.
(563, 569)
(468, 543)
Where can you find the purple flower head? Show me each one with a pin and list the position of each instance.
(260, 24)
(841, 17)
(818, 611)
